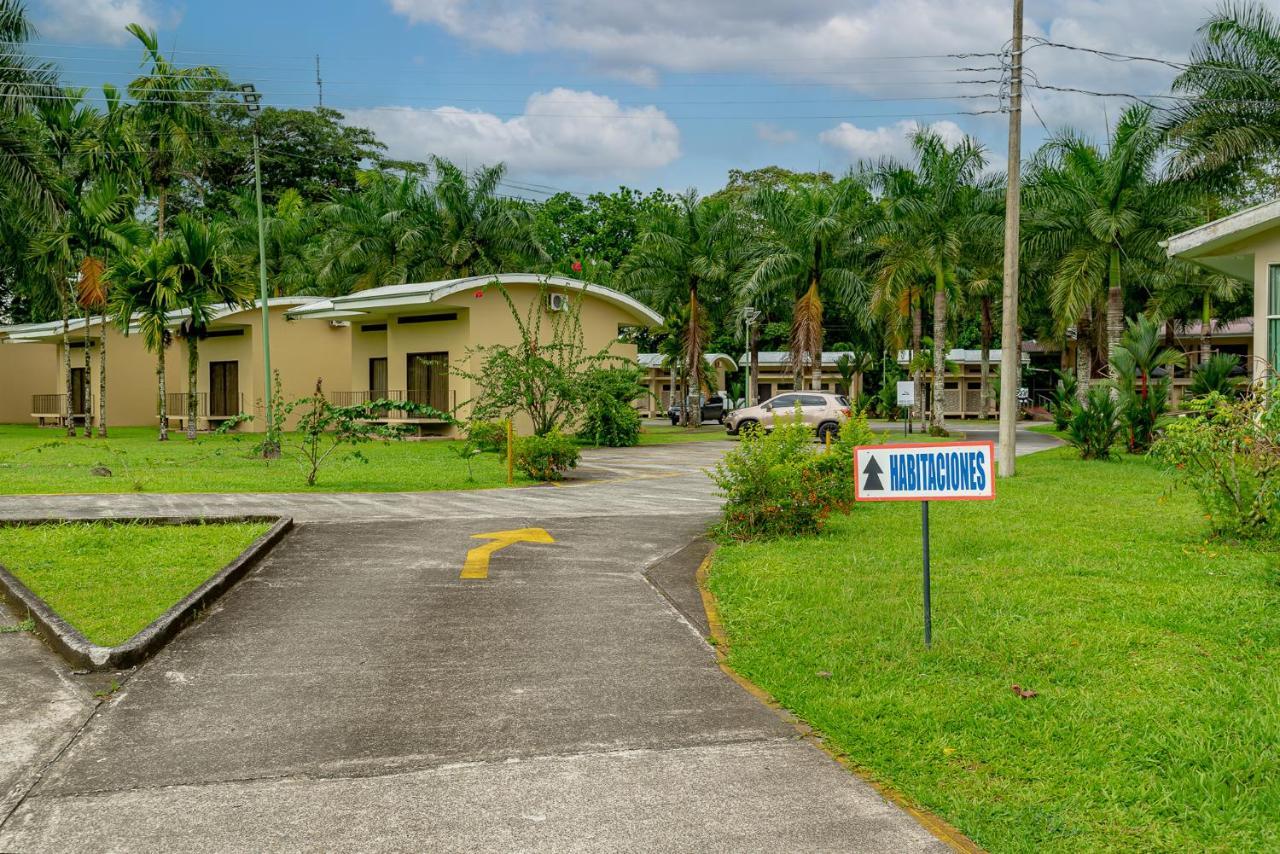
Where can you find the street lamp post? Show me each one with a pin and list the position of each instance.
(252, 103)
(752, 316)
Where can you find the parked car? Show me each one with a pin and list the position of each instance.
(714, 408)
(823, 410)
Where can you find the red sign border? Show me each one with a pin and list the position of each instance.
(991, 449)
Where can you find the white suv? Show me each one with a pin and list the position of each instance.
(822, 410)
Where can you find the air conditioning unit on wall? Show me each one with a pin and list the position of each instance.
(557, 302)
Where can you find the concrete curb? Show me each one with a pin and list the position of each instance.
(940, 829)
(68, 642)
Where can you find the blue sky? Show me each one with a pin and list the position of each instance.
(585, 95)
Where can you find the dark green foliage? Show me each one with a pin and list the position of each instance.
(489, 436)
(1228, 451)
(1216, 376)
(779, 484)
(1062, 399)
(546, 457)
(609, 417)
(1095, 424)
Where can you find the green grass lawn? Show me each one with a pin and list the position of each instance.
(34, 460)
(111, 580)
(1154, 651)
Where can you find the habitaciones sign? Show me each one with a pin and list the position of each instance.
(936, 471)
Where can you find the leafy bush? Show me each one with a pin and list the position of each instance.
(1095, 424)
(1063, 399)
(609, 418)
(1228, 451)
(546, 457)
(832, 470)
(779, 484)
(1217, 375)
(1142, 411)
(488, 436)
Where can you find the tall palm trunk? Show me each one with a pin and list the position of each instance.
(938, 410)
(164, 402)
(693, 355)
(986, 357)
(87, 396)
(193, 372)
(1206, 315)
(1084, 362)
(66, 365)
(1115, 304)
(753, 375)
(102, 381)
(917, 332)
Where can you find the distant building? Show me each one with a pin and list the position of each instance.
(657, 379)
(777, 373)
(962, 385)
(1245, 245)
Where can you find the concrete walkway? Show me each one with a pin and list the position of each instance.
(355, 693)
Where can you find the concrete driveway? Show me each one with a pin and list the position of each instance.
(355, 693)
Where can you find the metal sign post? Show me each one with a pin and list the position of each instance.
(934, 471)
(906, 400)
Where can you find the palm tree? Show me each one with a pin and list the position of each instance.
(1103, 215)
(1229, 122)
(383, 233)
(23, 84)
(1139, 353)
(480, 231)
(202, 272)
(1220, 374)
(852, 368)
(935, 209)
(291, 227)
(681, 252)
(144, 290)
(170, 119)
(1212, 296)
(809, 247)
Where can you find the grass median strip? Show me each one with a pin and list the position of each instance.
(1102, 677)
(34, 460)
(110, 580)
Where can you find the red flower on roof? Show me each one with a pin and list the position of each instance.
(577, 266)
(478, 294)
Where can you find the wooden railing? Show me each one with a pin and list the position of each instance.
(355, 398)
(176, 405)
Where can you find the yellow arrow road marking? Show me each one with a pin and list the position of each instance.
(477, 563)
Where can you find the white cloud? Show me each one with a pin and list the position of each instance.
(561, 132)
(847, 43)
(771, 133)
(884, 141)
(102, 21)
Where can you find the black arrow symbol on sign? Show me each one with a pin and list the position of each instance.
(873, 472)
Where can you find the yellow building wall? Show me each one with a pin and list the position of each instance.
(131, 375)
(25, 370)
(1265, 248)
(365, 346)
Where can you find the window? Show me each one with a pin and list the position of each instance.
(812, 400)
(373, 327)
(378, 377)
(784, 401)
(428, 379)
(427, 318)
(1273, 318)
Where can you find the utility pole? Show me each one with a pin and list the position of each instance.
(1010, 349)
(753, 348)
(319, 84)
(270, 448)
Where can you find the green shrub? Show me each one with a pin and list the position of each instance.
(1062, 399)
(1228, 451)
(1143, 413)
(488, 436)
(546, 457)
(1218, 374)
(782, 484)
(609, 418)
(1095, 424)
(832, 469)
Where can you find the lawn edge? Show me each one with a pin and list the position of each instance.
(934, 824)
(80, 652)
